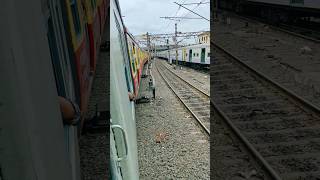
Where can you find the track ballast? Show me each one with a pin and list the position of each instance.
(278, 128)
(195, 100)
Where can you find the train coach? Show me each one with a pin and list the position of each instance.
(96, 13)
(126, 64)
(194, 55)
(137, 58)
(77, 24)
(54, 53)
(74, 32)
(275, 10)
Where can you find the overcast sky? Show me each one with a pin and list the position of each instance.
(141, 16)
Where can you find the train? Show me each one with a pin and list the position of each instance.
(193, 55)
(275, 11)
(74, 33)
(55, 46)
(126, 66)
(52, 51)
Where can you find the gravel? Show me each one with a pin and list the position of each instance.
(281, 130)
(94, 147)
(170, 143)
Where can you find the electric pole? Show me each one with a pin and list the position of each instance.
(176, 43)
(148, 45)
(168, 51)
(154, 49)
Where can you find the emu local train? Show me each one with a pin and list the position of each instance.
(74, 33)
(274, 10)
(198, 55)
(126, 63)
(48, 48)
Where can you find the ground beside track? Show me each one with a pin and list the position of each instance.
(94, 147)
(183, 150)
(283, 57)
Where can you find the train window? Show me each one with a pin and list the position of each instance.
(208, 54)
(127, 79)
(75, 16)
(55, 59)
(197, 54)
(64, 49)
(125, 57)
(186, 54)
(134, 48)
(194, 54)
(132, 61)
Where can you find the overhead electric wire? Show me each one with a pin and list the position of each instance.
(195, 3)
(183, 17)
(192, 11)
(198, 4)
(168, 17)
(174, 15)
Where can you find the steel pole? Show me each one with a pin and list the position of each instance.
(176, 43)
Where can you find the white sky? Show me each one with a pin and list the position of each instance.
(141, 16)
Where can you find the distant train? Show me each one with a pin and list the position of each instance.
(275, 10)
(126, 65)
(194, 55)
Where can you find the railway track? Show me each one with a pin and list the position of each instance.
(196, 101)
(304, 33)
(301, 32)
(279, 129)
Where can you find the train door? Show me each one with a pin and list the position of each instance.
(115, 170)
(190, 55)
(63, 75)
(203, 55)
